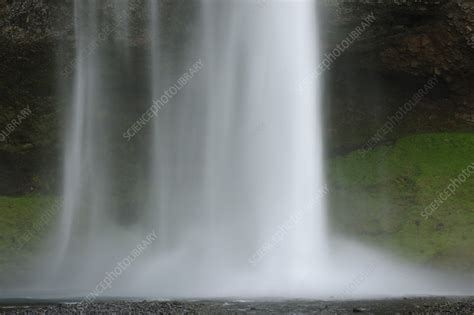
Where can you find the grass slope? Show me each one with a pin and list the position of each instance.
(379, 198)
(23, 222)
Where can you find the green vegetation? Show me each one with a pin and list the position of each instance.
(23, 222)
(379, 198)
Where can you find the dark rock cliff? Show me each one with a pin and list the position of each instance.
(408, 43)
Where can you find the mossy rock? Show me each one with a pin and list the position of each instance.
(379, 197)
(24, 223)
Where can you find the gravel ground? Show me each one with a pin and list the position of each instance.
(389, 306)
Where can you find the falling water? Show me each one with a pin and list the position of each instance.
(233, 183)
(82, 180)
(88, 223)
(239, 158)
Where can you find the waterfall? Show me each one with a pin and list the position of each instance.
(237, 155)
(88, 224)
(82, 178)
(230, 172)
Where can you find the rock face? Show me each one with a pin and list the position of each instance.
(28, 41)
(37, 52)
(409, 42)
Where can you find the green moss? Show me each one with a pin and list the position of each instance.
(379, 197)
(24, 221)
